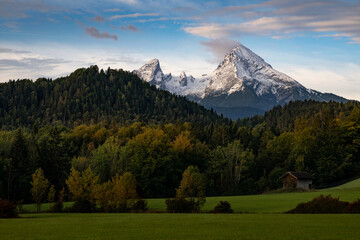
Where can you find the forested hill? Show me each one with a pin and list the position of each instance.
(243, 157)
(91, 96)
(283, 118)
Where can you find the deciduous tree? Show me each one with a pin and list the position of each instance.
(192, 186)
(82, 187)
(39, 187)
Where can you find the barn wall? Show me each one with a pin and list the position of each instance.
(304, 184)
(289, 182)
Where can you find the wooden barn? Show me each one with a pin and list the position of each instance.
(297, 180)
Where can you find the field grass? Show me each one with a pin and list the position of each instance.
(265, 223)
(263, 203)
(181, 226)
(352, 184)
(267, 203)
(272, 203)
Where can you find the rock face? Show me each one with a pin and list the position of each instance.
(182, 85)
(152, 73)
(183, 81)
(242, 85)
(241, 68)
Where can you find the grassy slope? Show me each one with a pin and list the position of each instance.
(264, 203)
(181, 226)
(273, 203)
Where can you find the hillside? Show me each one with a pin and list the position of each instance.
(88, 96)
(283, 118)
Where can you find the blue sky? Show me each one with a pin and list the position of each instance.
(315, 42)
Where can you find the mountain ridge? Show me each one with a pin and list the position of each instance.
(242, 81)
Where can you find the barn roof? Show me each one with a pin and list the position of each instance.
(299, 175)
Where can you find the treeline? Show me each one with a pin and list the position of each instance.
(235, 159)
(91, 96)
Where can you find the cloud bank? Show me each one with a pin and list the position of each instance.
(282, 18)
(129, 27)
(220, 47)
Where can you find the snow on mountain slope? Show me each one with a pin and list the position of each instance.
(243, 84)
(240, 68)
(152, 73)
(181, 85)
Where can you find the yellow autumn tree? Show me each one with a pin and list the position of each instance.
(104, 195)
(124, 190)
(82, 187)
(182, 143)
(39, 187)
(192, 186)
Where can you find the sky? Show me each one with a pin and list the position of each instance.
(315, 42)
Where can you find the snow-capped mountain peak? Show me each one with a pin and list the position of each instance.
(181, 85)
(242, 52)
(243, 84)
(151, 72)
(240, 68)
(184, 80)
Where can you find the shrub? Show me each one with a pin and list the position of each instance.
(223, 207)
(58, 206)
(121, 208)
(83, 206)
(321, 204)
(181, 205)
(7, 209)
(19, 207)
(353, 207)
(139, 205)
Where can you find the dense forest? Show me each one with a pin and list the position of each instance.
(114, 123)
(91, 96)
(243, 157)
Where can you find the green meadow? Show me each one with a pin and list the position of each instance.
(262, 218)
(263, 203)
(181, 226)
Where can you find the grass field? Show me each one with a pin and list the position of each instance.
(264, 203)
(181, 226)
(266, 223)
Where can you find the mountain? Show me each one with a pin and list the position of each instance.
(242, 85)
(182, 85)
(90, 96)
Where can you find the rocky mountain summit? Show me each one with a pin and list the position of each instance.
(242, 85)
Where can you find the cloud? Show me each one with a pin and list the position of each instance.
(129, 27)
(94, 32)
(220, 47)
(161, 19)
(210, 30)
(26, 63)
(9, 50)
(134, 15)
(129, 2)
(282, 18)
(98, 19)
(19, 8)
(12, 25)
(51, 60)
(112, 10)
(340, 79)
